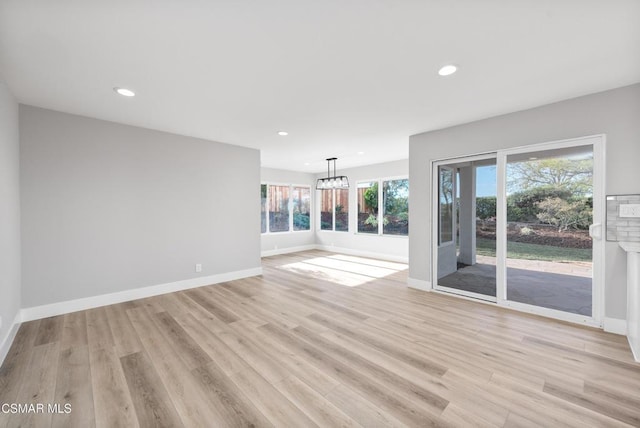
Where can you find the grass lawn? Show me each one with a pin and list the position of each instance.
(519, 250)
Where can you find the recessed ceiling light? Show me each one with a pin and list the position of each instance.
(283, 133)
(360, 153)
(533, 158)
(125, 92)
(307, 164)
(447, 70)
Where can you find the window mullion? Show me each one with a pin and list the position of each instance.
(266, 209)
(380, 209)
(290, 207)
(333, 200)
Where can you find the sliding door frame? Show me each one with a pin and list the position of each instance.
(598, 242)
(435, 179)
(598, 143)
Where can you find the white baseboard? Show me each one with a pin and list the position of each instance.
(59, 308)
(287, 250)
(614, 325)
(419, 284)
(6, 343)
(372, 255)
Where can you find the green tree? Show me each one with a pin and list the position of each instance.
(371, 197)
(396, 197)
(572, 175)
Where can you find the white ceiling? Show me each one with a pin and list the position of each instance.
(341, 76)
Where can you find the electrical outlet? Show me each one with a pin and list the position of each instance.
(198, 267)
(630, 210)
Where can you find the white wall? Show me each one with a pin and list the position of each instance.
(384, 246)
(615, 113)
(109, 207)
(9, 217)
(281, 242)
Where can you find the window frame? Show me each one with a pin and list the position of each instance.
(380, 182)
(333, 211)
(289, 205)
(291, 208)
(453, 173)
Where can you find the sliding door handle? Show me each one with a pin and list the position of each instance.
(595, 231)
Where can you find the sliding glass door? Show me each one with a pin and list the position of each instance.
(522, 227)
(550, 232)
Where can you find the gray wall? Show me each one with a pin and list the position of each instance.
(109, 207)
(283, 240)
(615, 113)
(9, 211)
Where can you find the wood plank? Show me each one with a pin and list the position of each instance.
(376, 342)
(150, 398)
(124, 336)
(623, 414)
(208, 302)
(428, 400)
(272, 404)
(218, 351)
(74, 332)
(294, 364)
(360, 409)
(99, 334)
(111, 398)
(185, 392)
(16, 363)
(50, 330)
(38, 384)
(190, 352)
(368, 385)
(313, 404)
(235, 408)
(73, 387)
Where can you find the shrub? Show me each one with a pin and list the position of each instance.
(522, 206)
(565, 214)
(526, 231)
(485, 207)
(372, 220)
(301, 221)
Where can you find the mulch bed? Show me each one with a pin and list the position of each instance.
(540, 234)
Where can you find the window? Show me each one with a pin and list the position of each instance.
(342, 210)
(334, 210)
(301, 208)
(285, 208)
(368, 207)
(393, 196)
(278, 208)
(445, 219)
(326, 210)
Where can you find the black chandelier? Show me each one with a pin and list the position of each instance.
(335, 182)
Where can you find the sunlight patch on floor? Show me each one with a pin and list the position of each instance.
(344, 270)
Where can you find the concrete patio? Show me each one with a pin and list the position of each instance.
(561, 286)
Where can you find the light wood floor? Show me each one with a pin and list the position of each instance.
(318, 340)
